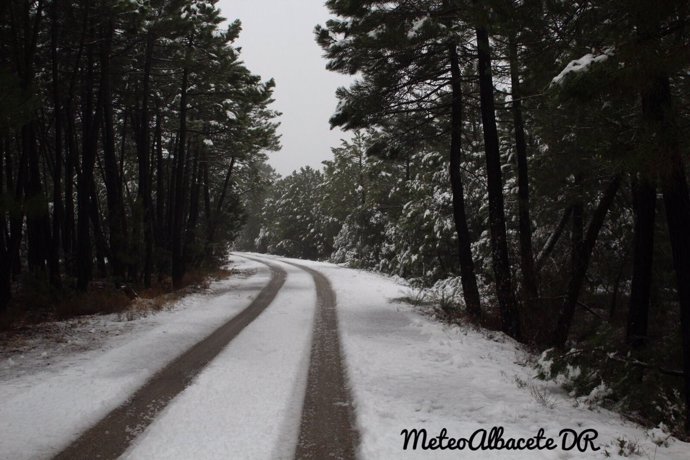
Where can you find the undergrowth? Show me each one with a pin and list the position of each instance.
(636, 385)
(35, 301)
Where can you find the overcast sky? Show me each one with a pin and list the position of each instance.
(277, 42)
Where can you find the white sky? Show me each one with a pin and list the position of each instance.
(277, 41)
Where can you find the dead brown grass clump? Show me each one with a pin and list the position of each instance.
(201, 278)
(101, 300)
(35, 302)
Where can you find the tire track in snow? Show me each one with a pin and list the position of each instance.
(111, 436)
(327, 427)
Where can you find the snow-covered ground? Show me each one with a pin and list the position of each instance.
(407, 371)
(247, 403)
(50, 391)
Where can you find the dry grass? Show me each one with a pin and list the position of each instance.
(38, 304)
(101, 300)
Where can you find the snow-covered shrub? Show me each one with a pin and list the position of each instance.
(596, 374)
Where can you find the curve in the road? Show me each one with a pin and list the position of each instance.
(111, 436)
(327, 428)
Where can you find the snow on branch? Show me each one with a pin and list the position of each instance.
(581, 65)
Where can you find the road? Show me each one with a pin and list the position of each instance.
(288, 359)
(327, 425)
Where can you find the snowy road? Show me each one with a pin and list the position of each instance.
(280, 388)
(328, 428)
(111, 436)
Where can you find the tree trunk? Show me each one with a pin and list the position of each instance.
(529, 279)
(99, 239)
(582, 253)
(17, 215)
(90, 126)
(499, 244)
(144, 201)
(193, 218)
(58, 208)
(553, 239)
(207, 192)
(644, 203)
(25, 26)
(179, 206)
(469, 280)
(37, 223)
(5, 268)
(219, 207)
(68, 234)
(677, 204)
(658, 112)
(160, 181)
(113, 186)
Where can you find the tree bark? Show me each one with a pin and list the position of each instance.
(193, 218)
(17, 215)
(179, 206)
(582, 253)
(144, 200)
(644, 204)
(467, 274)
(90, 127)
(113, 186)
(69, 228)
(658, 112)
(529, 278)
(160, 181)
(25, 26)
(499, 244)
(37, 221)
(58, 207)
(5, 268)
(553, 239)
(214, 219)
(102, 251)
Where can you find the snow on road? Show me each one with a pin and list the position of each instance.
(408, 371)
(44, 407)
(247, 403)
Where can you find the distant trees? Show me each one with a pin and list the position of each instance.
(290, 217)
(123, 126)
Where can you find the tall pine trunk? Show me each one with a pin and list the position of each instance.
(658, 113)
(113, 185)
(469, 280)
(5, 268)
(90, 126)
(179, 205)
(529, 279)
(17, 214)
(553, 239)
(499, 244)
(193, 218)
(582, 252)
(144, 201)
(69, 227)
(58, 207)
(39, 248)
(644, 204)
(161, 174)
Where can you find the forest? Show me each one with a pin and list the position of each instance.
(527, 162)
(127, 129)
(523, 161)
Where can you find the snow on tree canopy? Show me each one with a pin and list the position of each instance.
(581, 65)
(416, 25)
